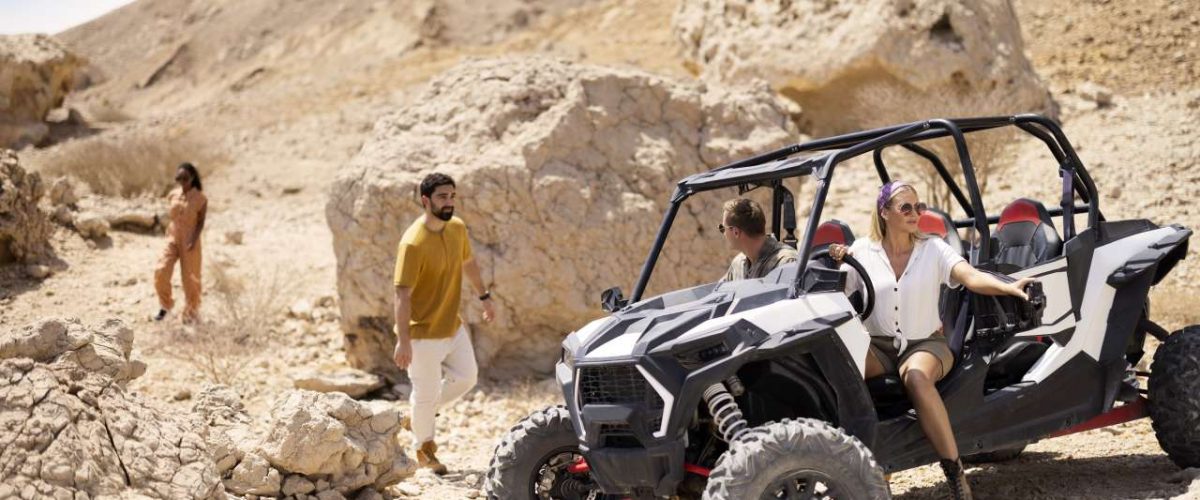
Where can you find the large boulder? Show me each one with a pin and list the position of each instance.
(24, 228)
(862, 63)
(71, 430)
(564, 171)
(36, 73)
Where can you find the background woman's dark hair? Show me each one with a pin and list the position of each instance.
(432, 181)
(191, 170)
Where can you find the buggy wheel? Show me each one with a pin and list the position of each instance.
(1000, 455)
(1174, 393)
(532, 462)
(796, 459)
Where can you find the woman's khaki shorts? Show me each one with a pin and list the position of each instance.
(885, 351)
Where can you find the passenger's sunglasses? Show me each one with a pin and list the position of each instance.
(908, 208)
(721, 228)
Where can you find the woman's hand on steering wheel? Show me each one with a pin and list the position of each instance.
(838, 251)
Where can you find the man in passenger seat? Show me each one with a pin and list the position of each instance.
(745, 229)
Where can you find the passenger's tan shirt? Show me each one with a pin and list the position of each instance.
(772, 255)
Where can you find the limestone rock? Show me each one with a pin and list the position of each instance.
(77, 434)
(92, 226)
(297, 485)
(564, 171)
(353, 383)
(24, 229)
(254, 476)
(104, 350)
(859, 63)
(225, 425)
(62, 192)
(36, 73)
(330, 435)
(38, 271)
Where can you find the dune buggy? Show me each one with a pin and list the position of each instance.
(754, 388)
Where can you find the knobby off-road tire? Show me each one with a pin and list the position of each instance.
(525, 449)
(796, 453)
(1175, 396)
(1000, 455)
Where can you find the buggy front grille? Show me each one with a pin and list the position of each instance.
(616, 385)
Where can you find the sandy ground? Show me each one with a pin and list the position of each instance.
(291, 132)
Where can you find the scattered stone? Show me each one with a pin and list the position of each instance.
(354, 383)
(301, 309)
(291, 190)
(1095, 93)
(410, 489)
(233, 237)
(92, 226)
(38, 272)
(62, 193)
(296, 484)
(182, 395)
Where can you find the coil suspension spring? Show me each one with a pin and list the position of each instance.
(725, 412)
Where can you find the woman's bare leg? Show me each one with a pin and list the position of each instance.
(919, 372)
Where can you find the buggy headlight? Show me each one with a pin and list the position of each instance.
(568, 359)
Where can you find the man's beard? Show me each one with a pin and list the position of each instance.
(445, 213)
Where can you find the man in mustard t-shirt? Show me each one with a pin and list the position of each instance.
(431, 341)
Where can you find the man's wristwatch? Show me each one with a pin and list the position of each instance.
(486, 295)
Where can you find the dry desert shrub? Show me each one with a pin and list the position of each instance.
(238, 320)
(129, 164)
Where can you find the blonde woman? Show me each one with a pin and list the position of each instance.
(907, 269)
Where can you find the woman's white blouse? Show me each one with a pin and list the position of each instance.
(905, 309)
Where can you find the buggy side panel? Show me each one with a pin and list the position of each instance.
(1098, 299)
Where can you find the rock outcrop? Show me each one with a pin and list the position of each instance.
(73, 431)
(863, 63)
(313, 443)
(563, 171)
(36, 73)
(24, 229)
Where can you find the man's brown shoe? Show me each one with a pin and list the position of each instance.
(427, 457)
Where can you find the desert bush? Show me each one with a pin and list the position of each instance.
(130, 163)
(238, 320)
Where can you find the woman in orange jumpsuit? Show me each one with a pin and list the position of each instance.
(188, 209)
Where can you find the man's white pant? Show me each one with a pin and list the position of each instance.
(441, 371)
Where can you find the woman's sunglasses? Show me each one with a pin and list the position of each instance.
(908, 208)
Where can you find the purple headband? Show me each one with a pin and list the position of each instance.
(887, 191)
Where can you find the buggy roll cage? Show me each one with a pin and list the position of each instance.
(771, 168)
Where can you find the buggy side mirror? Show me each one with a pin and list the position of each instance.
(612, 299)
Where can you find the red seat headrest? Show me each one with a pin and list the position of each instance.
(1022, 210)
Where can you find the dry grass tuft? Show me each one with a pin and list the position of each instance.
(129, 164)
(238, 324)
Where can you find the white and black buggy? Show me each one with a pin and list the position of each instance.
(754, 389)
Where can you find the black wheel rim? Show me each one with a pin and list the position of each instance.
(552, 481)
(803, 485)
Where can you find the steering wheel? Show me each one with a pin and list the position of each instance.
(869, 303)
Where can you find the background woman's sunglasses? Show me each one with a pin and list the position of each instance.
(908, 208)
